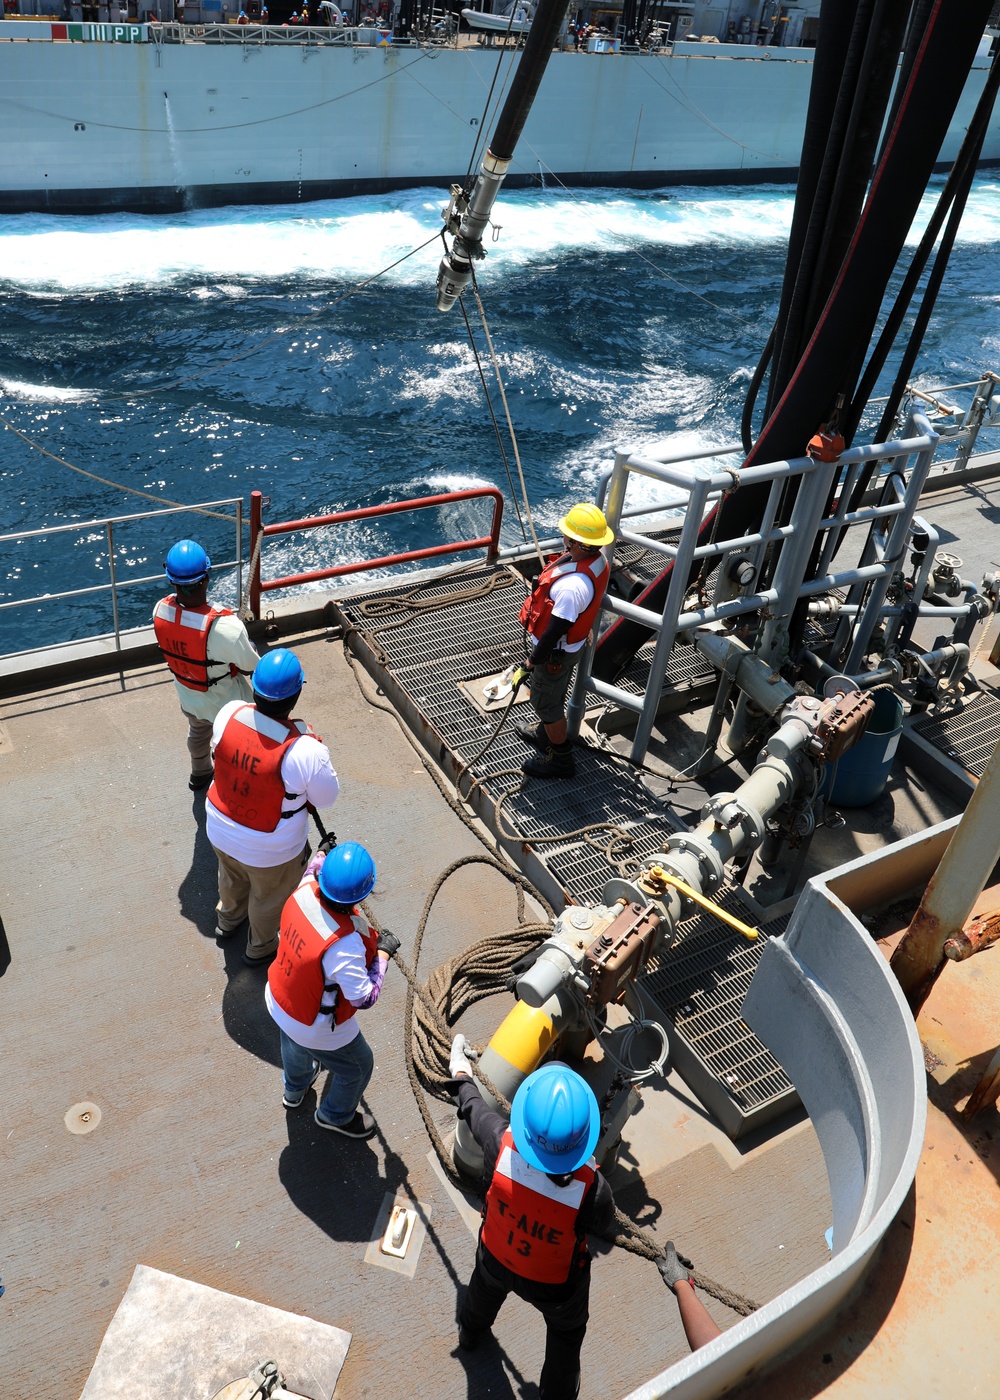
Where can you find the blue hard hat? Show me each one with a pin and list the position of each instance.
(187, 563)
(347, 876)
(555, 1119)
(278, 675)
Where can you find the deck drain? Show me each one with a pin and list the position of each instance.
(82, 1118)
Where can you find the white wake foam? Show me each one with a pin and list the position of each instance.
(342, 241)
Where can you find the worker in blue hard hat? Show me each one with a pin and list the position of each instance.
(206, 648)
(269, 769)
(544, 1194)
(330, 965)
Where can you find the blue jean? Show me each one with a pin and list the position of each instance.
(350, 1069)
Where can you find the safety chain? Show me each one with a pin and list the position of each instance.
(434, 1033)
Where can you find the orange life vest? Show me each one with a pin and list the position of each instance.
(536, 610)
(247, 787)
(182, 636)
(529, 1223)
(296, 977)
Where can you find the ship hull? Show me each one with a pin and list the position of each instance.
(91, 127)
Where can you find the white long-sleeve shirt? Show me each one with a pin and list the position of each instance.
(307, 772)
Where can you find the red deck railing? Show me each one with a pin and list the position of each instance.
(490, 542)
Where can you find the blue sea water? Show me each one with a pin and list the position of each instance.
(617, 319)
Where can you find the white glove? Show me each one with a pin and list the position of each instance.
(462, 1055)
(315, 864)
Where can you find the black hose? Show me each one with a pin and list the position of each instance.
(537, 49)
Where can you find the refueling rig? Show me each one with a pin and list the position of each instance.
(800, 648)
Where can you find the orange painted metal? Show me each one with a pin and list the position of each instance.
(490, 542)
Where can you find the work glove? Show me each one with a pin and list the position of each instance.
(518, 678)
(387, 942)
(673, 1267)
(462, 1055)
(315, 863)
(328, 842)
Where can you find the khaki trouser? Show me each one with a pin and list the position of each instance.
(258, 892)
(199, 742)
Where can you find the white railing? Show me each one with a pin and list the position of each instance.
(101, 534)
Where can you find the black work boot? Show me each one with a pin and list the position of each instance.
(533, 734)
(557, 762)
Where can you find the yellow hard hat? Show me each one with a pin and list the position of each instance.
(587, 524)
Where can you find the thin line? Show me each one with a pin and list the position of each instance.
(696, 111)
(631, 248)
(197, 130)
(269, 340)
(105, 481)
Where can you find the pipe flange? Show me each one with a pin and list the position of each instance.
(615, 890)
(728, 811)
(711, 867)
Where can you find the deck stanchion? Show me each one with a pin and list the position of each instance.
(964, 870)
(256, 499)
(114, 586)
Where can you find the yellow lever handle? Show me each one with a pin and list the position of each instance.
(745, 929)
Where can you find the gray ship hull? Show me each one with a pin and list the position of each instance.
(153, 127)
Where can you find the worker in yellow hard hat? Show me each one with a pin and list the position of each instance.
(558, 617)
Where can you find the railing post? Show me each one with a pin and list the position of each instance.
(577, 707)
(701, 485)
(495, 527)
(114, 586)
(256, 500)
(239, 553)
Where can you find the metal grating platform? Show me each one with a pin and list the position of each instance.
(967, 736)
(701, 985)
(698, 986)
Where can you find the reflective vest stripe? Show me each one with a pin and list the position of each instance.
(265, 725)
(296, 976)
(512, 1164)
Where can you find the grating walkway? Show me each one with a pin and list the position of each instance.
(702, 980)
(699, 985)
(968, 736)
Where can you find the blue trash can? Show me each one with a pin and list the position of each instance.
(862, 773)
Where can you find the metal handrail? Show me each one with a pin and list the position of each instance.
(107, 524)
(259, 531)
(701, 484)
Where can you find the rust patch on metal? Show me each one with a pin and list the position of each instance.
(979, 933)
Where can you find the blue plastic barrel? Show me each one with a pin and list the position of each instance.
(863, 771)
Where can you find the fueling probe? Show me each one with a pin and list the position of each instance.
(467, 216)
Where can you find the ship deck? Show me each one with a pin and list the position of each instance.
(118, 993)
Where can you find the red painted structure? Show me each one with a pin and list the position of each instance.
(490, 542)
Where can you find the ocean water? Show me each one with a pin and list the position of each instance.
(203, 355)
